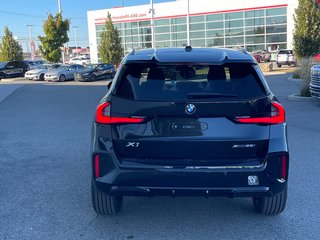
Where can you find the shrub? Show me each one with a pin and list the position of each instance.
(305, 74)
(296, 74)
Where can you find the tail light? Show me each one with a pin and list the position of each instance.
(97, 166)
(277, 116)
(103, 116)
(284, 167)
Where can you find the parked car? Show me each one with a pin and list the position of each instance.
(95, 72)
(13, 69)
(38, 73)
(257, 56)
(266, 56)
(62, 73)
(315, 81)
(285, 57)
(189, 122)
(82, 60)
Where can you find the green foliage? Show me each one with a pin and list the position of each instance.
(305, 73)
(306, 37)
(56, 34)
(10, 50)
(110, 48)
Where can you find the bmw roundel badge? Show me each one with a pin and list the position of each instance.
(190, 108)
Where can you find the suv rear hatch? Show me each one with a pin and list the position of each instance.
(190, 115)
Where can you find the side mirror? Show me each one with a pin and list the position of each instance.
(109, 85)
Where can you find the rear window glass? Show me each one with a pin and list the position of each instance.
(152, 82)
(285, 52)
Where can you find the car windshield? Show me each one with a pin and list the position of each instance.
(2, 64)
(152, 82)
(64, 67)
(91, 66)
(42, 67)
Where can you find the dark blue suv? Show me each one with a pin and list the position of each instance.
(189, 122)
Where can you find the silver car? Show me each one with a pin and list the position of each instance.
(62, 73)
(38, 73)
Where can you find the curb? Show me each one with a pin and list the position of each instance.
(12, 79)
(297, 97)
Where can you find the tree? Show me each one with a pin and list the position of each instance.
(10, 50)
(306, 36)
(56, 34)
(110, 48)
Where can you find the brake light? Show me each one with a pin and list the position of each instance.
(277, 116)
(284, 167)
(103, 116)
(97, 166)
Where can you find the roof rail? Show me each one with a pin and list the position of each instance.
(241, 49)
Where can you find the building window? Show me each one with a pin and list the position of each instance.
(214, 17)
(254, 14)
(234, 15)
(276, 11)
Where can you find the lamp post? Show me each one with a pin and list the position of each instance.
(152, 23)
(60, 11)
(30, 40)
(76, 37)
(59, 5)
(188, 23)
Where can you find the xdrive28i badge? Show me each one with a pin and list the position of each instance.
(190, 108)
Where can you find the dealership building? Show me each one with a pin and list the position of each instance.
(252, 24)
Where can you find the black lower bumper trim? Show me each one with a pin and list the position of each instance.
(205, 192)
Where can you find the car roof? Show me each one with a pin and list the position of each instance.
(192, 55)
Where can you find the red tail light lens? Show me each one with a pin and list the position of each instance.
(284, 167)
(103, 116)
(277, 116)
(97, 166)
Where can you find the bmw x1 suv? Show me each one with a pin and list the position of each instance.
(189, 122)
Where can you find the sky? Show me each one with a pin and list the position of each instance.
(17, 14)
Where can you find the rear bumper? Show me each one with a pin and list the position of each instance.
(116, 179)
(289, 62)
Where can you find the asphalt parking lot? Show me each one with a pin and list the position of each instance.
(45, 175)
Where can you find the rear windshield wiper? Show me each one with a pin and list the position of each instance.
(210, 95)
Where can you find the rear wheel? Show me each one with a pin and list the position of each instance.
(105, 204)
(279, 66)
(271, 205)
(42, 77)
(62, 78)
(92, 78)
(1, 75)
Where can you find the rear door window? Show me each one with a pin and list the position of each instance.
(182, 82)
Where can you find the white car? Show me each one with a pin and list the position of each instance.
(38, 73)
(286, 57)
(80, 60)
(62, 73)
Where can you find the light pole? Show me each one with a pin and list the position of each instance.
(30, 40)
(188, 23)
(59, 5)
(60, 11)
(76, 36)
(152, 23)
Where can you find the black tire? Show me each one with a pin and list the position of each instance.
(41, 77)
(62, 78)
(279, 66)
(1, 76)
(92, 78)
(105, 204)
(271, 205)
